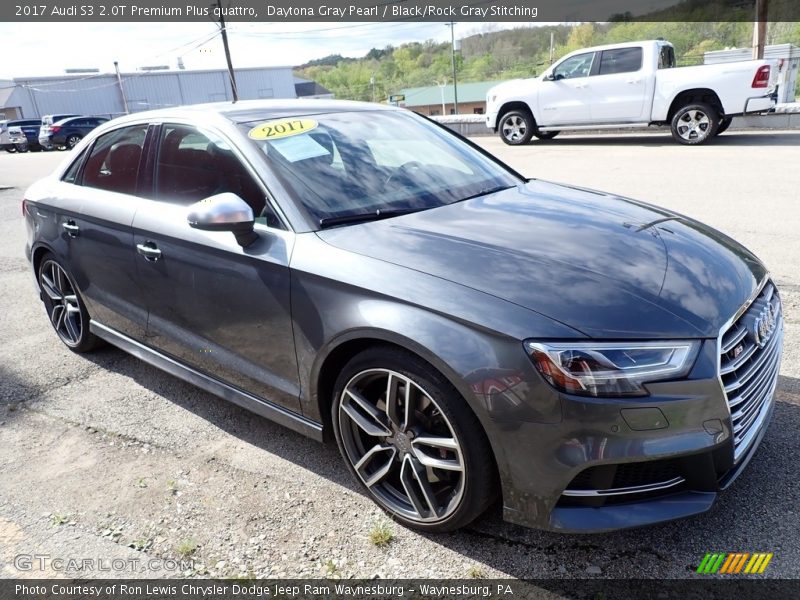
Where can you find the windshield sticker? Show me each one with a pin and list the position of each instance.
(282, 128)
(298, 148)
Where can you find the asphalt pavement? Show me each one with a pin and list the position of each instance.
(104, 456)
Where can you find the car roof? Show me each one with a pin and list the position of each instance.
(247, 111)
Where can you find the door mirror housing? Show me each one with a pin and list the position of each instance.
(224, 212)
(549, 77)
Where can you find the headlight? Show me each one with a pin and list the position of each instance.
(611, 369)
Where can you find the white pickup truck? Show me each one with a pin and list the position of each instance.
(630, 85)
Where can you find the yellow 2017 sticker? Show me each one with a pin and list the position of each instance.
(281, 128)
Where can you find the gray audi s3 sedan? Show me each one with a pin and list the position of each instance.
(356, 272)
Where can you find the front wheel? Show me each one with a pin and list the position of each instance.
(411, 441)
(516, 127)
(65, 307)
(10, 149)
(695, 124)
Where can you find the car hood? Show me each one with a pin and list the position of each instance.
(606, 266)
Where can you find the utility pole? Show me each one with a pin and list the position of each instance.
(121, 89)
(372, 84)
(224, 31)
(760, 29)
(441, 91)
(552, 45)
(452, 27)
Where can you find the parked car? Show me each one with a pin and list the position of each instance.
(17, 135)
(357, 272)
(630, 85)
(48, 120)
(4, 143)
(66, 133)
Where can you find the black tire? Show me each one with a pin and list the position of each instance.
(10, 149)
(724, 124)
(516, 127)
(73, 141)
(21, 148)
(73, 330)
(545, 135)
(695, 124)
(466, 492)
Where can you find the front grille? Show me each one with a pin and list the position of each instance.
(750, 353)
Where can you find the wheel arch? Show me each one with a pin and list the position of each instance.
(691, 96)
(513, 105)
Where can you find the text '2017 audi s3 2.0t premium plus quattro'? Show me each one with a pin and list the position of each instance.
(356, 272)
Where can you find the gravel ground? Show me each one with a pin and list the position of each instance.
(106, 457)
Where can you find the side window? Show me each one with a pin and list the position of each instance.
(113, 164)
(621, 60)
(193, 165)
(575, 66)
(71, 174)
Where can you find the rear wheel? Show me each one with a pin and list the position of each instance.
(10, 149)
(411, 441)
(695, 124)
(545, 135)
(21, 147)
(724, 124)
(73, 141)
(65, 307)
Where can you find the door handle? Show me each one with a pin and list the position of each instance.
(634, 81)
(149, 250)
(71, 228)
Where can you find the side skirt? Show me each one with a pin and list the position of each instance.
(252, 403)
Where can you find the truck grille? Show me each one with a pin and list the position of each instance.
(750, 356)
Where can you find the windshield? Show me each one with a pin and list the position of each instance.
(379, 162)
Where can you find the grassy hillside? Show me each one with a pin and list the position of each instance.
(521, 52)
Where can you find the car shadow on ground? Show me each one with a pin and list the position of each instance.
(736, 522)
(663, 138)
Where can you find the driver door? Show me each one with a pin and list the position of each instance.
(566, 99)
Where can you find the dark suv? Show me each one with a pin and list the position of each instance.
(21, 135)
(66, 133)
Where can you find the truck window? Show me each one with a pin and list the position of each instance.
(621, 60)
(575, 66)
(666, 57)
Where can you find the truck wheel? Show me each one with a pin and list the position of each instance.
(545, 135)
(695, 124)
(724, 124)
(516, 127)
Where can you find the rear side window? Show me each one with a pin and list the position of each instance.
(621, 60)
(113, 164)
(666, 57)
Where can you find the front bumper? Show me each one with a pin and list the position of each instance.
(618, 463)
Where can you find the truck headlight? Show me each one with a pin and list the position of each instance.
(611, 369)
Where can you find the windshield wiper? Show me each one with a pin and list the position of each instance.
(487, 191)
(367, 216)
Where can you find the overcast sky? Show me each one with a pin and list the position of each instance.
(48, 48)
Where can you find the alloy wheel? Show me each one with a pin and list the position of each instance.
(61, 303)
(514, 128)
(694, 125)
(401, 445)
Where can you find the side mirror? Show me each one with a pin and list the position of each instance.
(224, 212)
(549, 77)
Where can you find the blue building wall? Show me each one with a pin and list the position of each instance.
(100, 94)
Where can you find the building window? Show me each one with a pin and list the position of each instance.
(477, 111)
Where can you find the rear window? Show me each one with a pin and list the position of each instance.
(621, 60)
